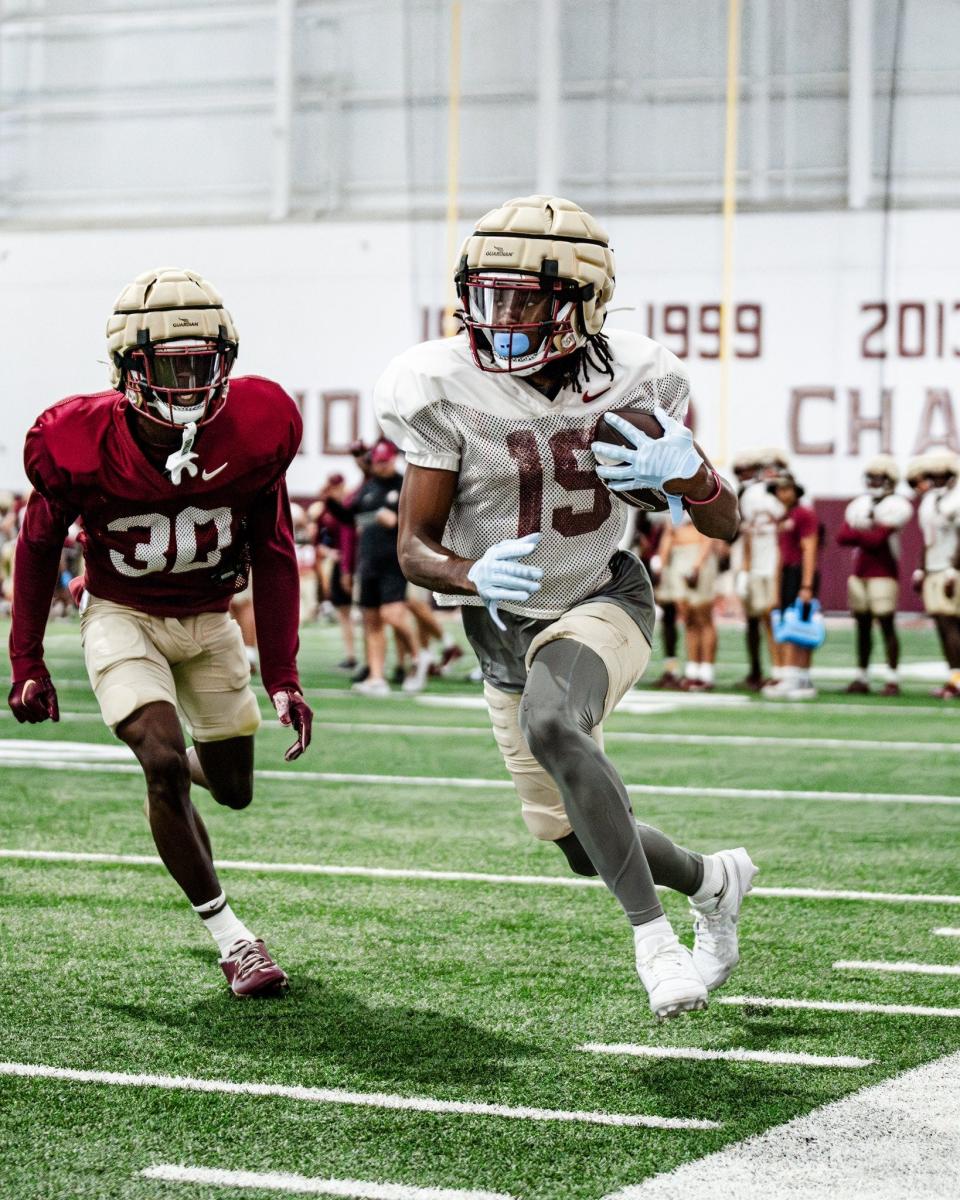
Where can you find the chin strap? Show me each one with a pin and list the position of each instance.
(182, 460)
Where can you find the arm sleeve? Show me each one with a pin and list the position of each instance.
(35, 571)
(413, 415)
(874, 537)
(276, 589)
(847, 536)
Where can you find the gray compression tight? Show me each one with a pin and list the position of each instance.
(562, 702)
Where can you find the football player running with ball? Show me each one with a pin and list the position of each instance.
(503, 510)
(180, 490)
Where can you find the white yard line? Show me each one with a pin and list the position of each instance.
(20, 753)
(565, 881)
(896, 968)
(667, 739)
(768, 1057)
(947, 931)
(896, 1139)
(316, 1095)
(485, 733)
(637, 702)
(773, 1058)
(278, 1181)
(851, 1006)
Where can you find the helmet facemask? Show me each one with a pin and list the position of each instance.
(178, 382)
(879, 485)
(518, 322)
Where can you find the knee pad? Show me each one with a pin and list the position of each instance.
(542, 806)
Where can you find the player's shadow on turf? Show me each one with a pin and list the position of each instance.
(329, 1027)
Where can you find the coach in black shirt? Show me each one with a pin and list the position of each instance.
(382, 586)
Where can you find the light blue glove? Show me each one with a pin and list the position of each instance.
(651, 461)
(499, 576)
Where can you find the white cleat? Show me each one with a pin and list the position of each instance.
(372, 687)
(716, 950)
(667, 971)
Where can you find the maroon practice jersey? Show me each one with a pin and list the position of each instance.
(165, 548)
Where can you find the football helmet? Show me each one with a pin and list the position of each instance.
(881, 476)
(940, 467)
(534, 280)
(172, 346)
(745, 464)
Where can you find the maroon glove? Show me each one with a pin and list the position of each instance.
(34, 700)
(293, 710)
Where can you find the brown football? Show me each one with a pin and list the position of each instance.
(647, 499)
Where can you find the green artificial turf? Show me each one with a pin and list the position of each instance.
(456, 990)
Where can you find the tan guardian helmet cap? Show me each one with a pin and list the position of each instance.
(546, 235)
(885, 465)
(164, 305)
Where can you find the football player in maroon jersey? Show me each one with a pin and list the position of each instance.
(180, 490)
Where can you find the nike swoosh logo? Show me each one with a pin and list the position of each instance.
(210, 474)
(596, 396)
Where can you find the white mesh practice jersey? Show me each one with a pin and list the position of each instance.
(524, 461)
(761, 513)
(939, 516)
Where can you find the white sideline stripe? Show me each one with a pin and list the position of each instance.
(947, 931)
(361, 1099)
(895, 1139)
(897, 968)
(773, 1058)
(49, 756)
(567, 881)
(278, 1181)
(853, 1006)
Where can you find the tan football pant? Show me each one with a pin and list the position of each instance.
(198, 664)
(612, 635)
(875, 596)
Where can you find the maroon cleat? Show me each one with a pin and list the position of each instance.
(450, 656)
(858, 688)
(668, 682)
(947, 692)
(695, 685)
(251, 971)
(753, 683)
(890, 689)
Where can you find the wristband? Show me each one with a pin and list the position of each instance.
(710, 499)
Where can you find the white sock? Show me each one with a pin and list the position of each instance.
(670, 666)
(776, 674)
(448, 640)
(712, 883)
(657, 928)
(893, 675)
(706, 672)
(222, 923)
(863, 675)
(253, 656)
(424, 663)
(691, 670)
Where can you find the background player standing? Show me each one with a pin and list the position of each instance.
(871, 523)
(499, 429)
(180, 490)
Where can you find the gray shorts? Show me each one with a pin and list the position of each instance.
(503, 655)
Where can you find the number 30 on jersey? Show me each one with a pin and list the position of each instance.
(154, 554)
